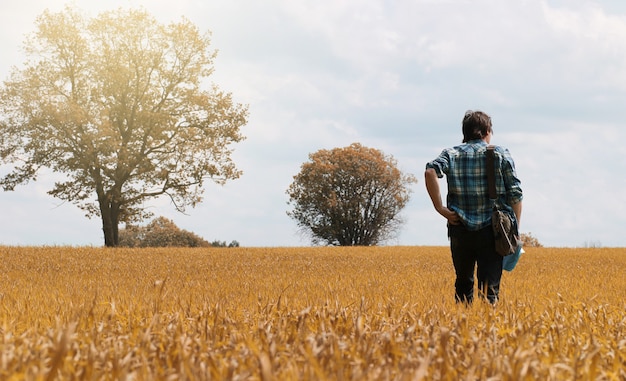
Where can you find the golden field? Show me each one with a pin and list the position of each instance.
(382, 313)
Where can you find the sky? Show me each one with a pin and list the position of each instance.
(392, 75)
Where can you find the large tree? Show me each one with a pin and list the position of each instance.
(349, 196)
(117, 104)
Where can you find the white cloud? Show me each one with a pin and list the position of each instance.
(595, 45)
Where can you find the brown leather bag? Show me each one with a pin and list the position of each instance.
(504, 229)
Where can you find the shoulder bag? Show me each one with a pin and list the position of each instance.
(504, 228)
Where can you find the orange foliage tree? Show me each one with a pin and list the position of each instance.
(349, 196)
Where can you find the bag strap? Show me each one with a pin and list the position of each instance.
(491, 171)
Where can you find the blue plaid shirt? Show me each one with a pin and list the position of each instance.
(468, 195)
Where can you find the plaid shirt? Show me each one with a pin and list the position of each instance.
(468, 196)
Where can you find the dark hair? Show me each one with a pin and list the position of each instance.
(476, 125)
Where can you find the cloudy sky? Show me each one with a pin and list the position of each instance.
(396, 76)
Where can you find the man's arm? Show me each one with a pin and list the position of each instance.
(432, 186)
(517, 209)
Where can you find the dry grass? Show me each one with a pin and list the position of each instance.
(305, 313)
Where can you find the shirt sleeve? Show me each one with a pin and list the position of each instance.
(441, 164)
(512, 183)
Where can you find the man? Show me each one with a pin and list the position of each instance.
(468, 207)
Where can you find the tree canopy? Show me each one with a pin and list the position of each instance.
(116, 103)
(349, 196)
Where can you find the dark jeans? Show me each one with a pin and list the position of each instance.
(470, 249)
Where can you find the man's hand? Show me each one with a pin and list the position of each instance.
(450, 215)
(432, 186)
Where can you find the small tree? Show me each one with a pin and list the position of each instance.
(218, 243)
(161, 232)
(116, 104)
(349, 196)
(529, 241)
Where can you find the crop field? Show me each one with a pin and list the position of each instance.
(377, 313)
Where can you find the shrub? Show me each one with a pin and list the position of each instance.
(218, 243)
(529, 241)
(161, 232)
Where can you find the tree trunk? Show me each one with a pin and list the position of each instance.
(107, 225)
(108, 232)
(110, 212)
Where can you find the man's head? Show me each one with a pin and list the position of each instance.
(476, 125)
